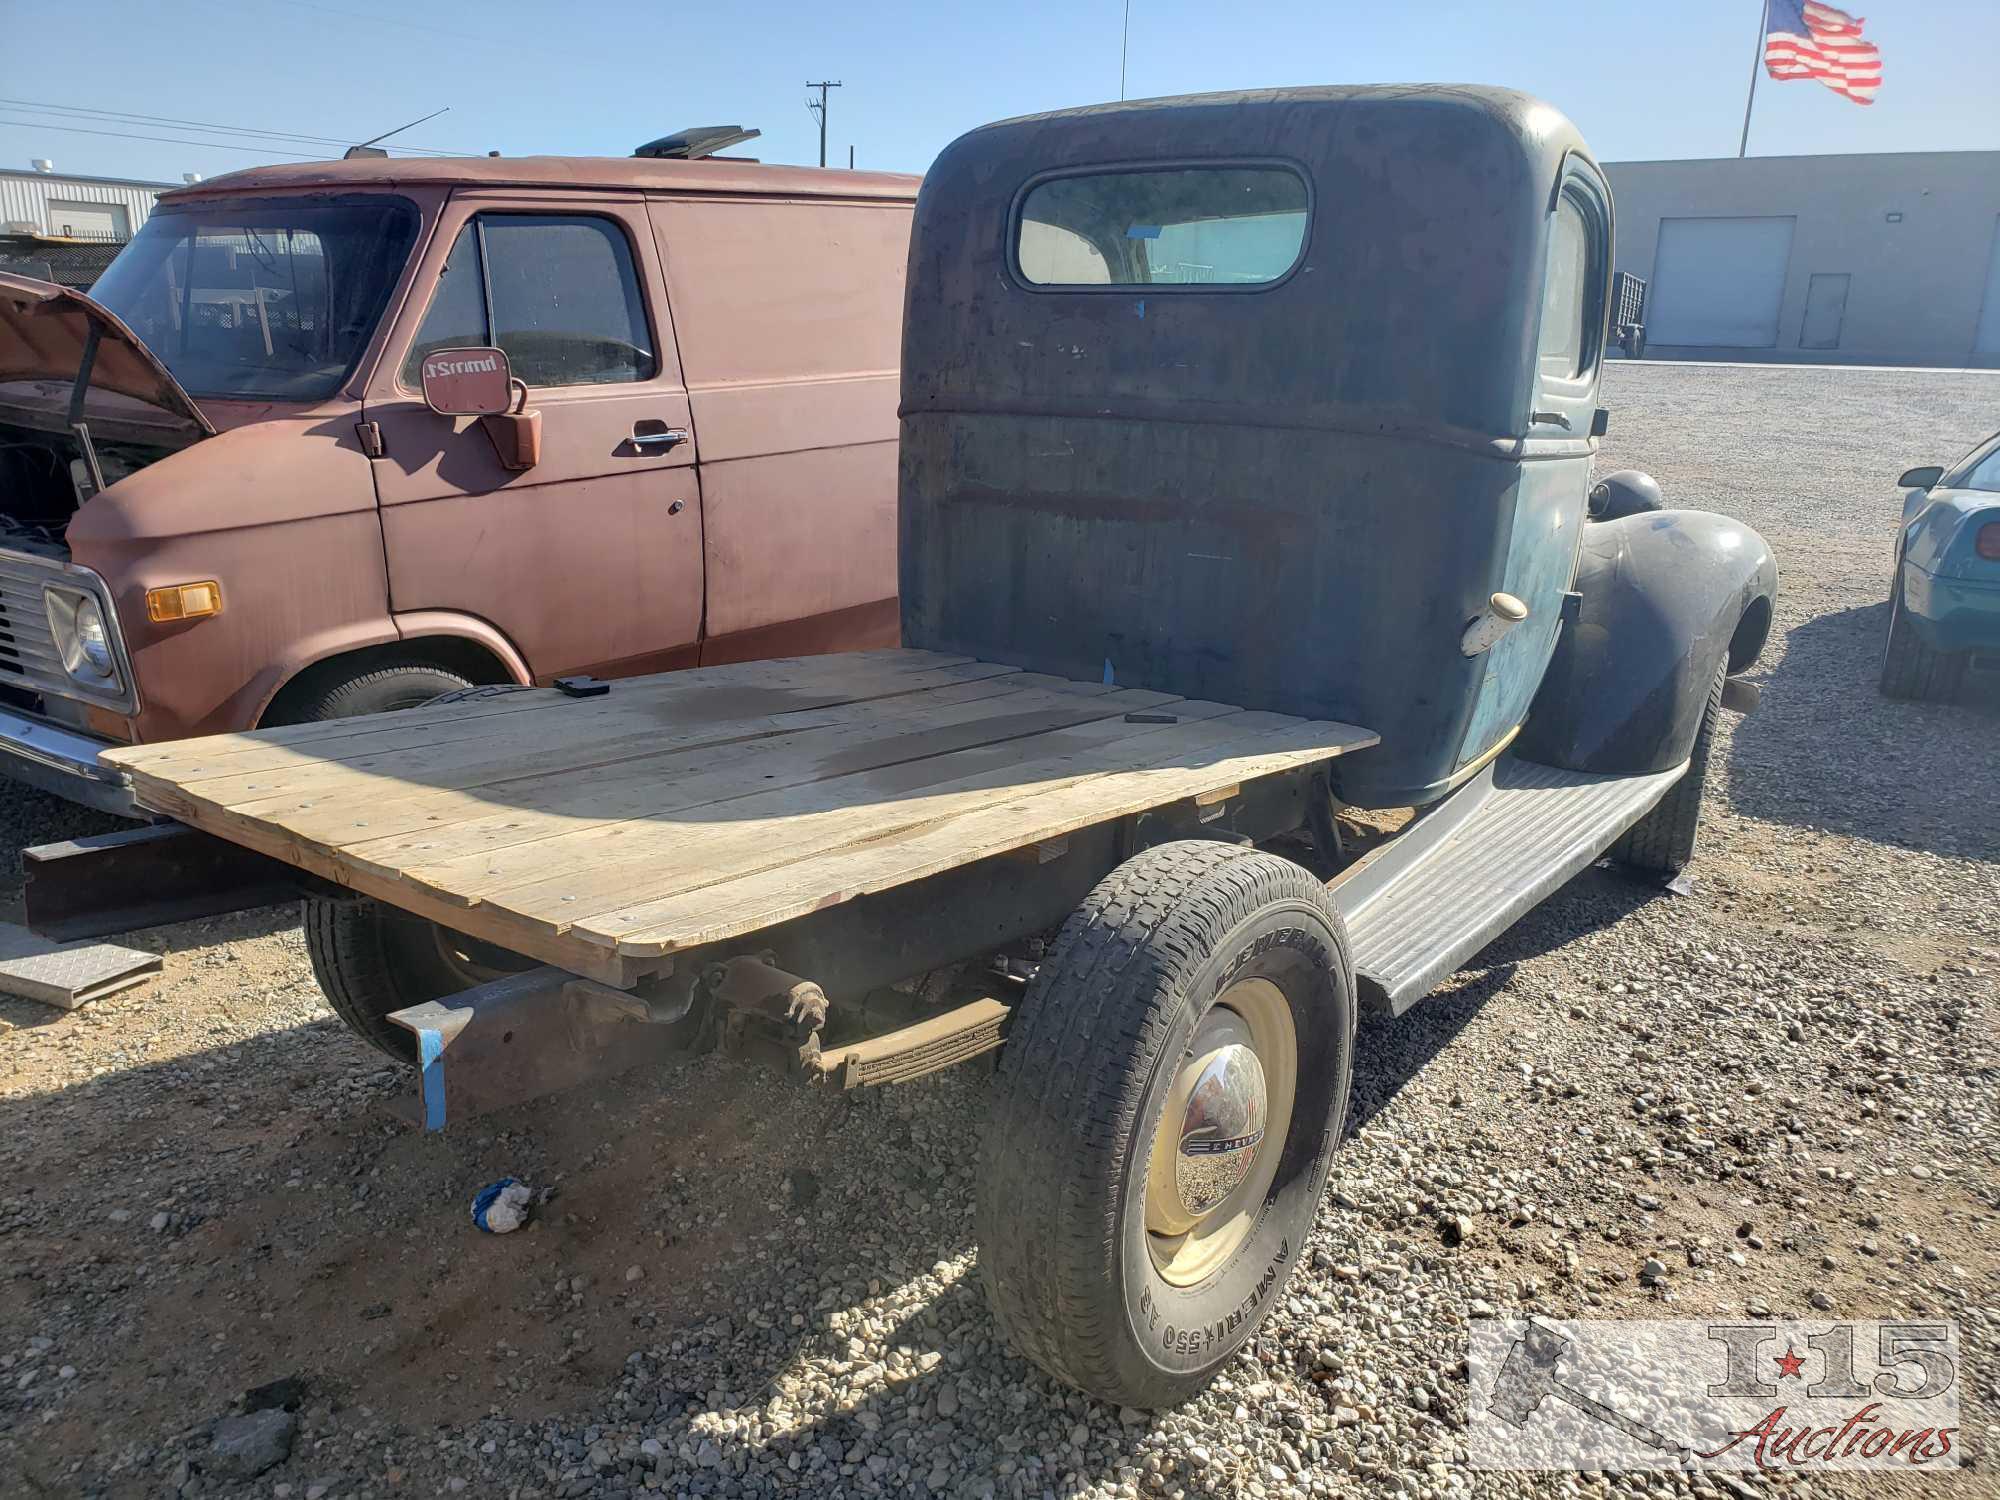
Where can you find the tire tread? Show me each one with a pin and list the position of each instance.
(1064, 1113)
(1911, 669)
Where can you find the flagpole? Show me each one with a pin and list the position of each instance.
(1756, 67)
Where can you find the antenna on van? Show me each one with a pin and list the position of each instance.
(695, 143)
(369, 146)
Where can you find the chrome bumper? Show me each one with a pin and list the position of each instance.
(56, 759)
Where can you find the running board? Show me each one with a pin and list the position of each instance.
(1470, 868)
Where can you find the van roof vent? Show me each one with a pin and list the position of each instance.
(702, 140)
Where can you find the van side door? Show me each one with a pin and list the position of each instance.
(1552, 491)
(790, 317)
(591, 560)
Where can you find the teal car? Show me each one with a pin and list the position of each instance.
(1944, 604)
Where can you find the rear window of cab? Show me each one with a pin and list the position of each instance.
(1213, 227)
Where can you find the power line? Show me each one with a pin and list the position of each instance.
(171, 140)
(119, 116)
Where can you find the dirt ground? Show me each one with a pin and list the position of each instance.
(204, 1185)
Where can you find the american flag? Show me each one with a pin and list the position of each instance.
(1804, 39)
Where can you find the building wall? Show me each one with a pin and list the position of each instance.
(25, 197)
(1918, 285)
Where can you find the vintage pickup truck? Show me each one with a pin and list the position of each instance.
(1246, 478)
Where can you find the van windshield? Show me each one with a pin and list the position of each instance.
(273, 299)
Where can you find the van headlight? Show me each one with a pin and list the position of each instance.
(82, 637)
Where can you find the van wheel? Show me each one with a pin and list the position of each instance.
(1911, 669)
(363, 690)
(1166, 1110)
(371, 959)
(1662, 842)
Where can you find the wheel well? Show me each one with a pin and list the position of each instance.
(467, 658)
(1751, 632)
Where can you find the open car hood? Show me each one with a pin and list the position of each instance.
(44, 329)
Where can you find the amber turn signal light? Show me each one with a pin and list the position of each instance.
(183, 601)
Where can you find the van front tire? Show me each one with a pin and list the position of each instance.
(343, 693)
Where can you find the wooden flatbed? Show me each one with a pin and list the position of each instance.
(603, 835)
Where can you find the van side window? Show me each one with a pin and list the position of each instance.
(560, 295)
(1566, 292)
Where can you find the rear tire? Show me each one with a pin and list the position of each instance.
(1911, 669)
(371, 959)
(1100, 1084)
(1662, 842)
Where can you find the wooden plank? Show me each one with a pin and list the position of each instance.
(722, 812)
(698, 696)
(715, 716)
(367, 809)
(463, 852)
(553, 942)
(619, 791)
(690, 854)
(604, 834)
(787, 671)
(799, 886)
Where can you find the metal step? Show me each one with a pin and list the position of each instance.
(1474, 865)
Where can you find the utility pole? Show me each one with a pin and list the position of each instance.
(817, 108)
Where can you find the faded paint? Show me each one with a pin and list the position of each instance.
(597, 559)
(1293, 496)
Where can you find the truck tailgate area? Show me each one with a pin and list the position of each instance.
(604, 834)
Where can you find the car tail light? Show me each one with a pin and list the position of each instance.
(1987, 543)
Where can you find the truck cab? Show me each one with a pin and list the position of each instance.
(225, 501)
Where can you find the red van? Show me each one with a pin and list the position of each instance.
(226, 503)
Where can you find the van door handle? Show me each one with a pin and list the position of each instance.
(649, 433)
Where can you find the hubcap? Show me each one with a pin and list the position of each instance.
(1224, 1123)
(1219, 1137)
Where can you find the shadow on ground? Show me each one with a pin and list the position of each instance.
(303, 1231)
(1826, 750)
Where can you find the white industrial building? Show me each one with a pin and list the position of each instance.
(39, 201)
(1865, 259)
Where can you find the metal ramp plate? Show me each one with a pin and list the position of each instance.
(70, 975)
(1466, 872)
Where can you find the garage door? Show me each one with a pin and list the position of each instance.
(87, 221)
(1718, 283)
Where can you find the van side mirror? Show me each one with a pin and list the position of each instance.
(468, 382)
(479, 382)
(1921, 479)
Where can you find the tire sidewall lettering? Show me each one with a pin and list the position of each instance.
(1184, 1329)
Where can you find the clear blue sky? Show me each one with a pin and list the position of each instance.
(598, 77)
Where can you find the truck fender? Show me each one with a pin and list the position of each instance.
(1661, 599)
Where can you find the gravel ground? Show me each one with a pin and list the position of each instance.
(1776, 1093)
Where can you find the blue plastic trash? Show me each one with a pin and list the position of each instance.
(502, 1207)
